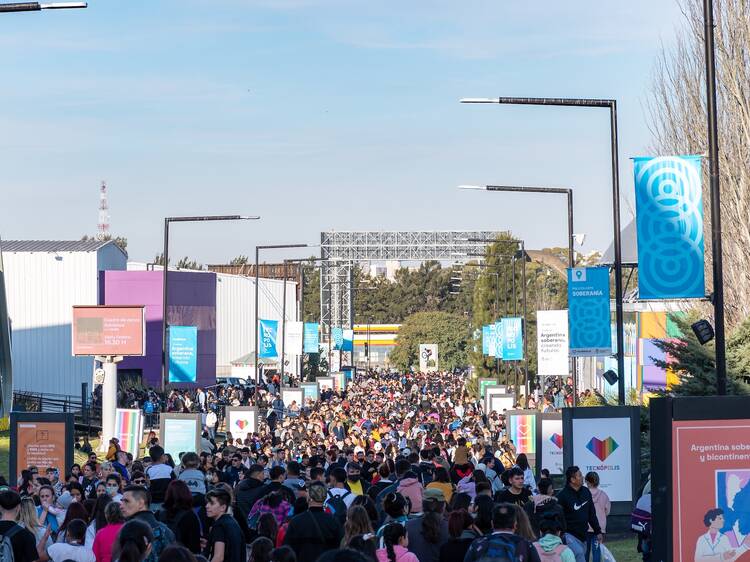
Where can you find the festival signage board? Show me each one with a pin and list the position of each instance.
(183, 354)
(347, 343)
(589, 318)
(109, 330)
(485, 340)
(484, 382)
(294, 337)
(428, 357)
(492, 340)
(129, 430)
(268, 334)
(44, 440)
(499, 341)
(310, 390)
(242, 421)
(552, 343)
(180, 433)
(552, 443)
(325, 383)
(512, 338)
(311, 337)
(522, 427)
(500, 402)
(292, 395)
(669, 225)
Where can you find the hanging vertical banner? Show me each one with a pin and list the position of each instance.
(428, 357)
(552, 342)
(268, 330)
(337, 334)
(129, 430)
(499, 344)
(183, 353)
(512, 330)
(293, 343)
(492, 340)
(669, 220)
(311, 337)
(347, 343)
(588, 312)
(485, 340)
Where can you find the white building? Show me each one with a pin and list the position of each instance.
(44, 280)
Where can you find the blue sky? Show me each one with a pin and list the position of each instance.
(317, 115)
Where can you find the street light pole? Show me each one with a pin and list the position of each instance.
(38, 6)
(612, 106)
(165, 284)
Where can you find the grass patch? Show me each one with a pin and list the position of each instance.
(624, 549)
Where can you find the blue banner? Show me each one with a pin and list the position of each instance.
(337, 335)
(183, 354)
(588, 312)
(347, 342)
(311, 338)
(499, 344)
(268, 331)
(512, 339)
(669, 220)
(492, 341)
(485, 340)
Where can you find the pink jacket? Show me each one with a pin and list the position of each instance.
(402, 555)
(602, 505)
(412, 489)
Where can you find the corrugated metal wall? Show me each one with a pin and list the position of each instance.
(235, 311)
(42, 289)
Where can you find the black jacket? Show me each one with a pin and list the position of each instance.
(248, 491)
(544, 507)
(285, 491)
(185, 526)
(313, 532)
(578, 508)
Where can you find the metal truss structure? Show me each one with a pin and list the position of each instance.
(340, 250)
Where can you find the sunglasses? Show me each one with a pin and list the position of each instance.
(139, 481)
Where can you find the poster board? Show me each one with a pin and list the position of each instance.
(242, 421)
(324, 383)
(289, 395)
(522, 427)
(129, 429)
(108, 330)
(483, 382)
(41, 439)
(339, 381)
(180, 433)
(428, 357)
(551, 443)
(552, 343)
(700, 457)
(490, 390)
(309, 390)
(607, 440)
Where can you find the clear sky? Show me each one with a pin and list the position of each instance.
(318, 115)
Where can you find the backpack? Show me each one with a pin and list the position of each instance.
(640, 521)
(162, 540)
(6, 546)
(426, 473)
(554, 555)
(501, 549)
(148, 407)
(336, 506)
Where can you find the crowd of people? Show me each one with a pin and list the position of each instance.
(395, 468)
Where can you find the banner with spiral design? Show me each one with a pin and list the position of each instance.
(669, 220)
(589, 318)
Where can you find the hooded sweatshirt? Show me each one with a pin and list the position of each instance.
(548, 543)
(579, 510)
(602, 505)
(402, 555)
(541, 506)
(412, 489)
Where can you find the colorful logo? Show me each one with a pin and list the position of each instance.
(557, 440)
(602, 448)
(242, 424)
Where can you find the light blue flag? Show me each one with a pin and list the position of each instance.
(338, 338)
(669, 219)
(512, 339)
(492, 341)
(311, 338)
(499, 343)
(347, 343)
(485, 340)
(268, 331)
(183, 354)
(589, 312)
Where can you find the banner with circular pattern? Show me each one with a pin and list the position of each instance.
(669, 220)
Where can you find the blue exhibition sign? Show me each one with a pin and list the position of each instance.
(588, 312)
(499, 343)
(347, 342)
(183, 354)
(492, 341)
(669, 218)
(268, 331)
(485, 340)
(337, 335)
(512, 330)
(311, 338)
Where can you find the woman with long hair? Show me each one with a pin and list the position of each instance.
(177, 513)
(106, 536)
(260, 550)
(98, 519)
(357, 523)
(133, 542)
(430, 532)
(442, 482)
(175, 553)
(395, 543)
(396, 509)
(529, 481)
(75, 511)
(268, 527)
(463, 532)
(29, 520)
(369, 505)
(524, 528)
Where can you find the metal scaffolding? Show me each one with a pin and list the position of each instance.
(336, 294)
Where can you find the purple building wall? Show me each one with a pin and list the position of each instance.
(192, 302)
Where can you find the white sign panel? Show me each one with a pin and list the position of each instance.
(242, 422)
(428, 357)
(552, 446)
(289, 395)
(602, 445)
(324, 383)
(498, 401)
(552, 342)
(293, 341)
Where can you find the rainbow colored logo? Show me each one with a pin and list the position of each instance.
(602, 448)
(557, 440)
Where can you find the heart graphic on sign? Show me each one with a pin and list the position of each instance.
(557, 440)
(242, 424)
(602, 448)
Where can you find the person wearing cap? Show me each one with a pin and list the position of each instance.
(429, 532)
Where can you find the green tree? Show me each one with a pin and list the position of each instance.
(239, 260)
(311, 293)
(448, 331)
(121, 241)
(183, 263)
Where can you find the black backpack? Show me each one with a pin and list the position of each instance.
(336, 506)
